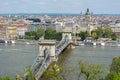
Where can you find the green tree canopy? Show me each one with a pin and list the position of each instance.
(52, 34)
(49, 33)
(103, 33)
(53, 73)
(83, 35)
(91, 71)
(115, 66)
(114, 70)
(40, 32)
(5, 78)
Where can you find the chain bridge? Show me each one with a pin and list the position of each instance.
(49, 52)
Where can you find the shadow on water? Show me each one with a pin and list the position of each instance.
(63, 61)
(63, 56)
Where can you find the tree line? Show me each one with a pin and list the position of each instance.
(99, 33)
(49, 33)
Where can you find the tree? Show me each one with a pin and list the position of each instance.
(107, 33)
(99, 32)
(103, 33)
(113, 76)
(113, 36)
(30, 35)
(83, 35)
(40, 32)
(94, 35)
(54, 73)
(52, 34)
(115, 66)
(114, 70)
(28, 75)
(90, 71)
(49, 33)
(5, 78)
(58, 36)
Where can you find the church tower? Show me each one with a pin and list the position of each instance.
(88, 19)
(88, 15)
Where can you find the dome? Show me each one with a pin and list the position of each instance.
(87, 12)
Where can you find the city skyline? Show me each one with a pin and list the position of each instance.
(60, 6)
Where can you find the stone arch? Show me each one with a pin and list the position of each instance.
(46, 46)
(45, 52)
(66, 35)
(76, 28)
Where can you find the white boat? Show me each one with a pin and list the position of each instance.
(27, 43)
(102, 44)
(119, 45)
(94, 43)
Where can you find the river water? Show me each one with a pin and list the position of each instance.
(92, 54)
(14, 58)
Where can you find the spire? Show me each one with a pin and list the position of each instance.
(87, 12)
(87, 9)
(81, 14)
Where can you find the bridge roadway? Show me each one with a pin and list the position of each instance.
(40, 66)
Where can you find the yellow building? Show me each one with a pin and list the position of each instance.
(11, 32)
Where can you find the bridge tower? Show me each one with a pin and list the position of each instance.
(67, 35)
(49, 47)
(49, 52)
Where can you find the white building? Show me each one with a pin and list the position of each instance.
(21, 29)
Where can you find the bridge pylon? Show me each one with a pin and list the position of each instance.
(47, 45)
(67, 35)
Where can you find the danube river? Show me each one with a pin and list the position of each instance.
(14, 58)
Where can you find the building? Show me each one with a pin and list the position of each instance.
(2, 32)
(21, 29)
(87, 22)
(116, 28)
(33, 26)
(84, 23)
(11, 32)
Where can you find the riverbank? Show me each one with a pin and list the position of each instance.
(20, 41)
(98, 43)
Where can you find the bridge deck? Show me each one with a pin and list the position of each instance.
(39, 67)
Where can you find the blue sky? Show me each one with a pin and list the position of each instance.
(60, 6)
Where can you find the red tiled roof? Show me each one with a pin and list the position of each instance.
(1, 25)
(21, 25)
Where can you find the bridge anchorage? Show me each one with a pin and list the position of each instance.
(49, 52)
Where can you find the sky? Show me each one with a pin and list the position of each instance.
(60, 6)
